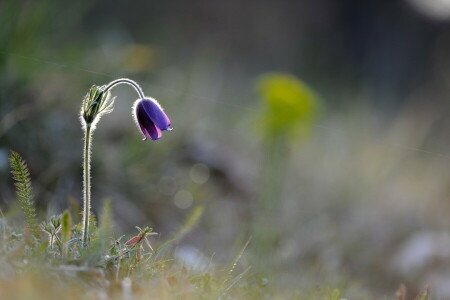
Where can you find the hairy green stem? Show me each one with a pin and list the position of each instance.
(126, 81)
(86, 184)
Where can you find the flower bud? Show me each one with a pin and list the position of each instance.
(96, 103)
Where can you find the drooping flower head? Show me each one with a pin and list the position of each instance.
(150, 118)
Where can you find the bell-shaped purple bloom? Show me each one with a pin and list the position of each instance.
(150, 118)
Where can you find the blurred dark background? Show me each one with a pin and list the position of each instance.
(368, 183)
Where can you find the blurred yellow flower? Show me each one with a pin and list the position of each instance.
(290, 106)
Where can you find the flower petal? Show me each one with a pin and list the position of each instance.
(133, 240)
(148, 128)
(156, 113)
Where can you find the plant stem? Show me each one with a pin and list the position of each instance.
(86, 184)
(126, 81)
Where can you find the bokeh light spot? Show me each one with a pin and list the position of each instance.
(199, 173)
(435, 9)
(183, 199)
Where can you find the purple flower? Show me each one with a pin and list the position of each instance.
(150, 118)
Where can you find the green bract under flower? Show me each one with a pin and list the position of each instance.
(96, 103)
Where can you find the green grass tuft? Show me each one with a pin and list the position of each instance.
(66, 231)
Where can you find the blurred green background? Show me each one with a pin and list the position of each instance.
(319, 128)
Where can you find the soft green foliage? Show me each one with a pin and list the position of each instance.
(66, 230)
(290, 106)
(104, 232)
(66, 223)
(336, 295)
(21, 176)
(110, 266)
(105, 219)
